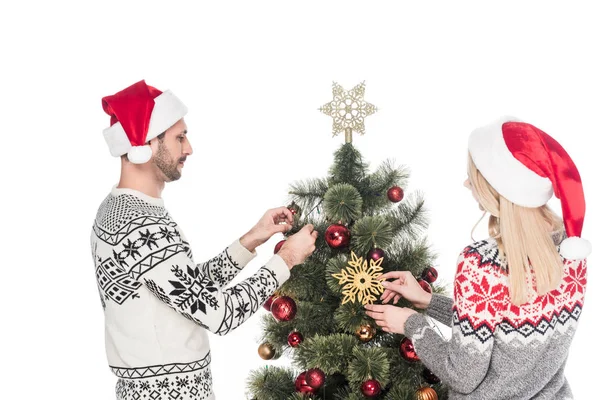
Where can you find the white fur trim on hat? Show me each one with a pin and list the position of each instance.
(139, 154)
(117, 140)
(503, 171)
(168, 109)
(575, 248)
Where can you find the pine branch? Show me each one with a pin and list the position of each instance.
(408, 256)
(308, 193)
(343, 202)
(369, 363)
(369, 232)
(307, 282)
(386, 176)
(348, 166)
(331, 353)
(350, 316)
(335, 266)
(271, 383)
(347, 394)
(409, 219)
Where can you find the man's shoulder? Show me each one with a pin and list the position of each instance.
(115, 211)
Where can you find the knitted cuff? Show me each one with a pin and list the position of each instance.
(440, 308)
(279, 269)
(414, 324)
(240, 254)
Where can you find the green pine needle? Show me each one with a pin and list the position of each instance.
(271, 383)
(350, 316)
(369, 363)
(343, 202)
(369, 232)
(348, 166)
(335, 266)
(331, 353)
(409, 219)
(307, 194)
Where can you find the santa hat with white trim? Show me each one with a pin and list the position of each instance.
(138, 114)
(526, 166)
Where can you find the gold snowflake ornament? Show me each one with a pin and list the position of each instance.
(348, 110)
(361, 280)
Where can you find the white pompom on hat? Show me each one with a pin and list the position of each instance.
(138, 114)
(526, 166)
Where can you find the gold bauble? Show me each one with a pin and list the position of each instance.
(365, 333)
(426, 393)
(266, 351)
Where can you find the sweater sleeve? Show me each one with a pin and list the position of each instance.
(224, 267)
(440, 308)
(158, 258)
(479, 301)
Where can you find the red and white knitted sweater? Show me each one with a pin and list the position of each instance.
(499, 350)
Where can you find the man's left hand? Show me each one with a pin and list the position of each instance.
(390, 318)
(273, 221)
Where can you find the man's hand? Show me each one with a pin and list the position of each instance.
(273, 221)
(299, 246)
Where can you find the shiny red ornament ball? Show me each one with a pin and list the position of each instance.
(269, 302)
(429, 274)
(370, 388)
(295, 338)
(315, 378)
(430, 377)
(426, 286)
(278, 246)
(375, 254)
(407, 350)
(337, 236)
(283, 308)
(302, 386)
(395, 194)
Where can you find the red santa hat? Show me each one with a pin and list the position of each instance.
(526, 166)
(138, 114)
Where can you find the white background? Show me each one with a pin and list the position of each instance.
(253, 75)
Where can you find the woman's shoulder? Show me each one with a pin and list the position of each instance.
(485, 254)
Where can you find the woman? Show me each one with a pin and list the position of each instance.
(518, 294)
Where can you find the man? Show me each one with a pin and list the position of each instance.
(158, 304)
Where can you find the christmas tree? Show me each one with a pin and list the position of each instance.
(367, 227)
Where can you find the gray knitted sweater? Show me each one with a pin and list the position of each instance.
(498, 350)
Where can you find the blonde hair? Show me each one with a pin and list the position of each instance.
(523, 236)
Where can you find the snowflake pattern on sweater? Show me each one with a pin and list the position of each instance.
(499, 350)
(158, 304)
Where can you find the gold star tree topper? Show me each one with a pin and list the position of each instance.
(348, 110)
(361, 280)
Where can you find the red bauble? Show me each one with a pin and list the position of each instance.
(283, 308)
(295, 338)
(429, 274)
(278, 246)
(315, 378)
(371, 388)
(395, 194)
(426, 286)
(430, 377)
(375, 254)
(302, 386)
(269, 302)
(407, 350)
(337, 236)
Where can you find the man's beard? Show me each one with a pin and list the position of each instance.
(166, 164)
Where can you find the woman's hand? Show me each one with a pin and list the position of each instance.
(404, 285)
(390, 318)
